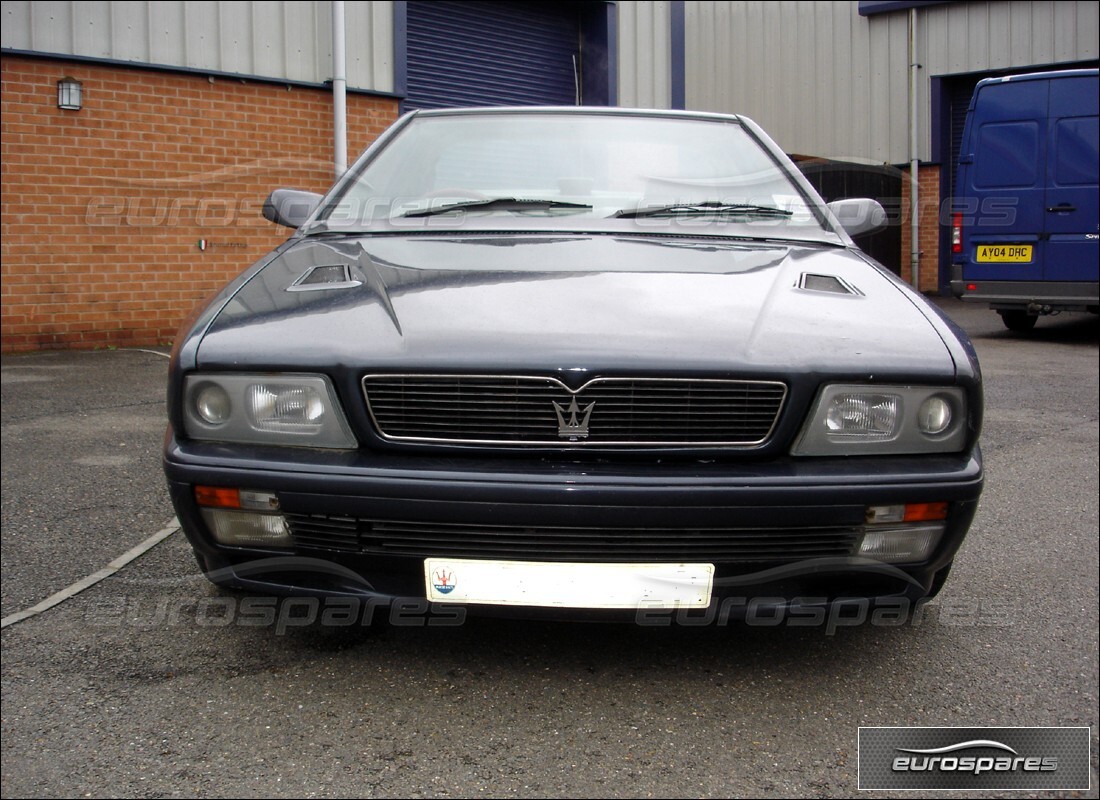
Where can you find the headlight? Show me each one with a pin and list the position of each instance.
(297, 410)
(284, 407)
(854, 419)
(872, 416)
(934, 416)
(212, 404)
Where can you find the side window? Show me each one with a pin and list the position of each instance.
(1007, 155)
(1076, 155)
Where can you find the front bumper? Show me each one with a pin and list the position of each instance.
(588, 511)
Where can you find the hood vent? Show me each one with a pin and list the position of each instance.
(826, 283)
(334, 276)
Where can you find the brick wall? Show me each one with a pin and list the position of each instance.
(929, 200)
(103, 209)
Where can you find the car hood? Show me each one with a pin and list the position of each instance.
(580, 304)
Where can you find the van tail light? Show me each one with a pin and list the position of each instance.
(956, 233)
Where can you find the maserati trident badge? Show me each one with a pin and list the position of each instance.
(573, 428)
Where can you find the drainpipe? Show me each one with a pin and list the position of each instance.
(914, 155)
(339, 91)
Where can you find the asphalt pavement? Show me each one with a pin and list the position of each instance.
(152, 683)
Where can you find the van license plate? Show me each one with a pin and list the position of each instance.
(1004, 253)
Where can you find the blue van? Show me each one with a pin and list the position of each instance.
(1026, 210)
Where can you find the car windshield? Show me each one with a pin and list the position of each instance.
(555, 171)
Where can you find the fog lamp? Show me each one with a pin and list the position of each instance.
(900, 544)
(247, 528)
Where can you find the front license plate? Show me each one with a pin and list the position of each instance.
(1004, 253)
(568, 585)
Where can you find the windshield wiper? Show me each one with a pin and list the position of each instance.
(707, 207)
(495, 204)
(320, 229)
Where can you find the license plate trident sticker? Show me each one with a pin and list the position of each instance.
(568, 585)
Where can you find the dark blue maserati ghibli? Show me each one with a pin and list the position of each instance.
(580, 362)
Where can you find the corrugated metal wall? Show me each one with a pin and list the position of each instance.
(822, 80)
(279, 40)
(973, 37)
(645, 54)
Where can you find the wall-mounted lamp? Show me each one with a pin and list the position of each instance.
(70, 94)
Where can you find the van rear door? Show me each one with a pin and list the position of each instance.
(1007, 180)
(1072, 210)
(1027, 199)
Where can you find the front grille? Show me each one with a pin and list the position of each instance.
(542, 543)
(646, 412)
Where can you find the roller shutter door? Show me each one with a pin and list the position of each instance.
(490, 53)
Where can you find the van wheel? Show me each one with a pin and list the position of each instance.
(1019, 321)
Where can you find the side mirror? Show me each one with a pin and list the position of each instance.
(290, 207)
(859, 215)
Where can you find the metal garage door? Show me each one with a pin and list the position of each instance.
(491, 53)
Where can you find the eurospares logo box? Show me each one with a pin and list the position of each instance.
(974, 759)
